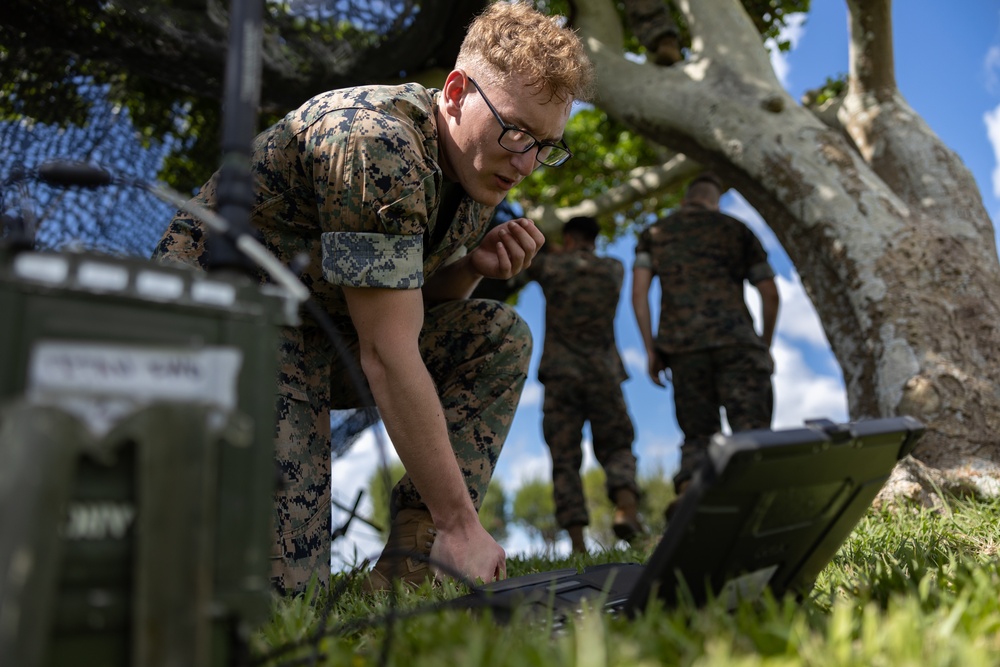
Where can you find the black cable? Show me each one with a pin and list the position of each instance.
(341, 530)
(355, 515)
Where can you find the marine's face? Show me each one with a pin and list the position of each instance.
(471, 153)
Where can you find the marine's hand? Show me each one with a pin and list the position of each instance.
(473, 553)
(507, 249)
(658, 370)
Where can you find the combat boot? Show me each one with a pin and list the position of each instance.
(576, 540)
(626, 522)
(411, 536)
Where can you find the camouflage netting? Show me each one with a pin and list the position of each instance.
(137, 88)
(117, 219)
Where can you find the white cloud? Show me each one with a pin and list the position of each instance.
(634, 359)
(532, 395)
(797, 318)
(800, 393)
(793, 32)
(587, 447)
(351, 471)
(522, 467)
(991, 69)
(660, 452)
(992, 121)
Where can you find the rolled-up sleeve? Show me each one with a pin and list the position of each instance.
(760, 271)
(759, 268)
(365, 259)
(374, 204)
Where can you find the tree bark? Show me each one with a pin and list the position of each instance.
(886, 227)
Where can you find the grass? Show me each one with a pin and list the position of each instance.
(912, 587)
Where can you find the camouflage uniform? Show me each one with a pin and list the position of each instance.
(351, 179)
(582, 373)
(705, 333)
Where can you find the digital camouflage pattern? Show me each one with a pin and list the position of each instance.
(581, 299)
(582, 372)
(477, 351)
(351, 180)
(565, 409)
(705, 333)
(738, 378)
(702, 258)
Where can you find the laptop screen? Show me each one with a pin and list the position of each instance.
(771, 508)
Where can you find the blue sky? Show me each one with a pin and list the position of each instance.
(947, 68)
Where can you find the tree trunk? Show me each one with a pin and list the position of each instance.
(883, 222)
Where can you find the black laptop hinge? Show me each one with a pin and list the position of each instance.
(838, 433)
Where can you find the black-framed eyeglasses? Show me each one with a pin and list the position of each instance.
(516, 140)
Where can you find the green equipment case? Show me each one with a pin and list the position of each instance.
(136, 460)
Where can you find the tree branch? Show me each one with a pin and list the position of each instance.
(676, 105)
(896, 142)
(643, 183)
(597, 21)
(722, 32)
(872, 68)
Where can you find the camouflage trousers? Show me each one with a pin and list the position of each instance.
(736, 378)
(567, 406)
(477, 353)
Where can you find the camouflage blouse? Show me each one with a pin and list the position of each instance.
(351, 179)
(702, 258)
(581, 298)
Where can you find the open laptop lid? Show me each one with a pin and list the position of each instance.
(771, 508)
(766, 509)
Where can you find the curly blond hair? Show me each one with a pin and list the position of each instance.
(512, 39)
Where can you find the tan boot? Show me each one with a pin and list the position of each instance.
(626, 522)
(411, 534)
(576, 539)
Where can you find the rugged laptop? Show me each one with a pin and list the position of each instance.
(767, 509)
